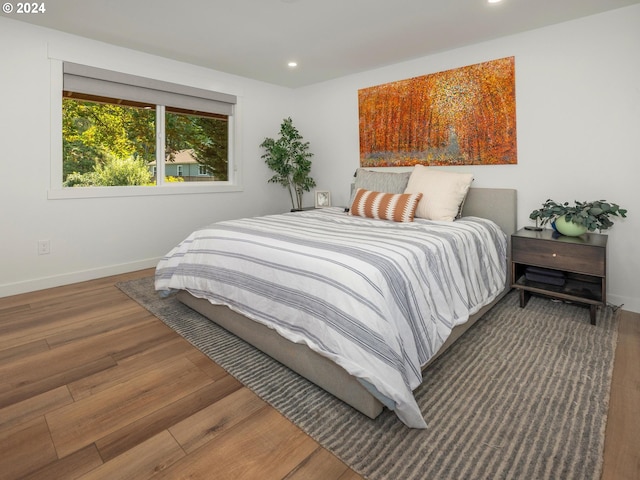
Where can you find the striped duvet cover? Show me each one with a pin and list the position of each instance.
(379, 298)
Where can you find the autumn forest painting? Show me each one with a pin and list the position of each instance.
(464, 116)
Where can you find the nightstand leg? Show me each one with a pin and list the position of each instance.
(524, 297)
(592, 313)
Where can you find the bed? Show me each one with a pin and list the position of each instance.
(290, 330)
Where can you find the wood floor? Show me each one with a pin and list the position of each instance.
(93, 386)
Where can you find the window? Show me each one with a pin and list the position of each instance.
(123, 130)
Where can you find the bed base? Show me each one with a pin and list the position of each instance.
(497, 204)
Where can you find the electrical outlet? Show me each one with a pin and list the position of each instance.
(44, 247)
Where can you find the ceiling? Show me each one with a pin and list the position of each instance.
(328, 38)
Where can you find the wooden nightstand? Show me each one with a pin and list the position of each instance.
(581, 262)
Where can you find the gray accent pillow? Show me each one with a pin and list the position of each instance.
(387, 182)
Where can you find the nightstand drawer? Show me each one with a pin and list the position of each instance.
(570, 257)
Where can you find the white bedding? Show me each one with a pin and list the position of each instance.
(377, 297)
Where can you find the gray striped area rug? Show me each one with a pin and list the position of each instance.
(524, 394)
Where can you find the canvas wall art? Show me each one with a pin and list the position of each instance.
(464, 116)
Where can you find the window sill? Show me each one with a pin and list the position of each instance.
(173, 189)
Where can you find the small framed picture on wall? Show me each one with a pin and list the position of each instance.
(323, 198)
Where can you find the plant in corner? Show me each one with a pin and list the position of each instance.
(289, 158)
(582, 216)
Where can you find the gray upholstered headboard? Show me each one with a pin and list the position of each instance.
(497, 204)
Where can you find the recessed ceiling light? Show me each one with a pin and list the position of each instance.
(292, 64)
(494, 1)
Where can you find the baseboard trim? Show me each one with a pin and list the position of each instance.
(630, 304)
(42, 283)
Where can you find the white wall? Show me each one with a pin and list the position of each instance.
(100, 236)
(578, 114)
(578, 118)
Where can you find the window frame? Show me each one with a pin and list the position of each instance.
(57, 191)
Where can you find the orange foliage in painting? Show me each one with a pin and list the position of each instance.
(465, 116)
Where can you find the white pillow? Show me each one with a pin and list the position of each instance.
(442, 192)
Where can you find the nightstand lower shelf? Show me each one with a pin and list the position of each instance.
(574, 290)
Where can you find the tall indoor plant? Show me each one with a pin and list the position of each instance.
(288, 157)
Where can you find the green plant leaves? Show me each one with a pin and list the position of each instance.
(593, 215)
(288, 157)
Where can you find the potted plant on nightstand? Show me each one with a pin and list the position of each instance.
(289, 158)
(576, 219)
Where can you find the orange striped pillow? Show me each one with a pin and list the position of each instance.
(399, 207)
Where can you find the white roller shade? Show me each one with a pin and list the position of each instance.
(106, 83)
